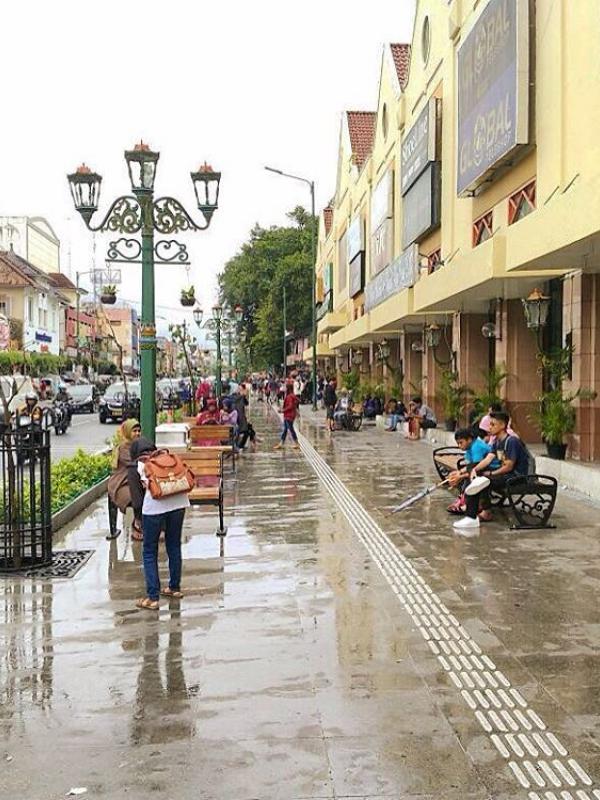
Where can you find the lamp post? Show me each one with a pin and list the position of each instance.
(284, 334)
(217, 315)
(143, 214)
(311, 185)
(78, 275)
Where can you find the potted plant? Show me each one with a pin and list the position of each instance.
(452, 396)
(556, 416)
(490, 395)
(188, 296)
(108, 296)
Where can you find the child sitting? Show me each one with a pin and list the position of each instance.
(475, 450)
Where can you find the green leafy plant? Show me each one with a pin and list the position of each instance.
(556, 416)
(188, 296)
(73, 476)
(452, 395)
(109, 289)
(490, 394)
(351, 381)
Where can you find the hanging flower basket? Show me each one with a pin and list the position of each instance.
(188, 297)
(108, 296)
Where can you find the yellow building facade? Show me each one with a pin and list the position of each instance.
(473, 181)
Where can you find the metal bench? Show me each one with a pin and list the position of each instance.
(530, 498)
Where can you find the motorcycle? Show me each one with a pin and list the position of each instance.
(31, 426)
(61, 417)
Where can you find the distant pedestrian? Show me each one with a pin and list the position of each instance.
(290, 412)
(330, 401)
(158, 514)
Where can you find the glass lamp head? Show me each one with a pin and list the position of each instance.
(206, 184)
(85, 190)
(141, 163)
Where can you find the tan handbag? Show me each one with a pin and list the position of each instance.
(167, 475)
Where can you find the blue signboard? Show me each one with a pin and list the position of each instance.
(493, 91)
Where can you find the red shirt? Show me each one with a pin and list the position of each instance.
(290, 407)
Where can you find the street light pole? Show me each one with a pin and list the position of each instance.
(141, 213)
(284, 334)
(218, 332)
(313, 242)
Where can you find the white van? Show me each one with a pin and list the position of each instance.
(23, 384)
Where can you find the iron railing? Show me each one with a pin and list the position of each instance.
(25, 499)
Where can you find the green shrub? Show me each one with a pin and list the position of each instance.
(72, 476)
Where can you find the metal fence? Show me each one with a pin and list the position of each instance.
(25, 500)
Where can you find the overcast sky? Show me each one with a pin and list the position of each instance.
(241, 84)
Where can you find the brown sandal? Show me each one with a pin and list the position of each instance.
(172, 593)
(145, 602)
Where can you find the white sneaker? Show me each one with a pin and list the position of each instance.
(467, 526)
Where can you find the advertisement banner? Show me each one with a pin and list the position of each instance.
(357, 275)
(382, 200)
(382, 246)
(418, 146)
(402, 273)
(355, 238)
(421, 206)
(493, 90)
(4, 332)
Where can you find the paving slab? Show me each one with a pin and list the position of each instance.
(334, 651)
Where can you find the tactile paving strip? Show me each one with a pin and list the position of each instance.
(535, 756)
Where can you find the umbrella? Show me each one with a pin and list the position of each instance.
(419, 496)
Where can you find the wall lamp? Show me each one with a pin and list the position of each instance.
(537, 308)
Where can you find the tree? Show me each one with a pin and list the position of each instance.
(254, 278)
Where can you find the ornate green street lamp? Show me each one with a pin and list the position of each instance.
(536, 307)
(142, 214)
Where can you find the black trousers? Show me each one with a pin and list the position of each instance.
(112, 517)
(483, 498)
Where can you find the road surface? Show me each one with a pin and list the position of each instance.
(85, 432)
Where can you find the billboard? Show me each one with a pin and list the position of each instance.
(421, 206)
(382, 246)
(357, 275)
(493, 91)
(418, 146)
(400, 274)
(355, 238)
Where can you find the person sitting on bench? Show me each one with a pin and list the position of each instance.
(475, 450)
(396, 413)
(514, 461)
(342, 407)
(419, 416)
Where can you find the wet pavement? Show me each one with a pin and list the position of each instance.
(334, 652)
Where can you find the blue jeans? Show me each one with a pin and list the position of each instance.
(152, 524)
(288, 425)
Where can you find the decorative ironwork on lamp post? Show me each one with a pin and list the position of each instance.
(144, 215)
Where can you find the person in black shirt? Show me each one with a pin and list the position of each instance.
(510, 451)
(330, 401)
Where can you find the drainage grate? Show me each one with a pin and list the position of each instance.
(64, 564)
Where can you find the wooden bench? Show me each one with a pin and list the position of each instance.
(207, 467)
(218, 438)
(530, 498)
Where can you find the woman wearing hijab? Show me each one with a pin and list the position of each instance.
(158, 514)
(119, 497)
(212, 414)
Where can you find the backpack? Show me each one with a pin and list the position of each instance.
(167, 475)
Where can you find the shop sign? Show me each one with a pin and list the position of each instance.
(327, 279)
(342, 263)
(493, 91)
(40, 336)
(382, 200)
(357, 275)
(354, 238)
(402, 273)
(421, 206)
(4, 332)
(418, 146)
(382, 246)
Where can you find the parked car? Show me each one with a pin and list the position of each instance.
(84, 398)
(169, 393)
(114, 406)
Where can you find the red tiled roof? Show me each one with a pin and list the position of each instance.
(328, 219)
(361, 126)
(61, 281)
(401, 55)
